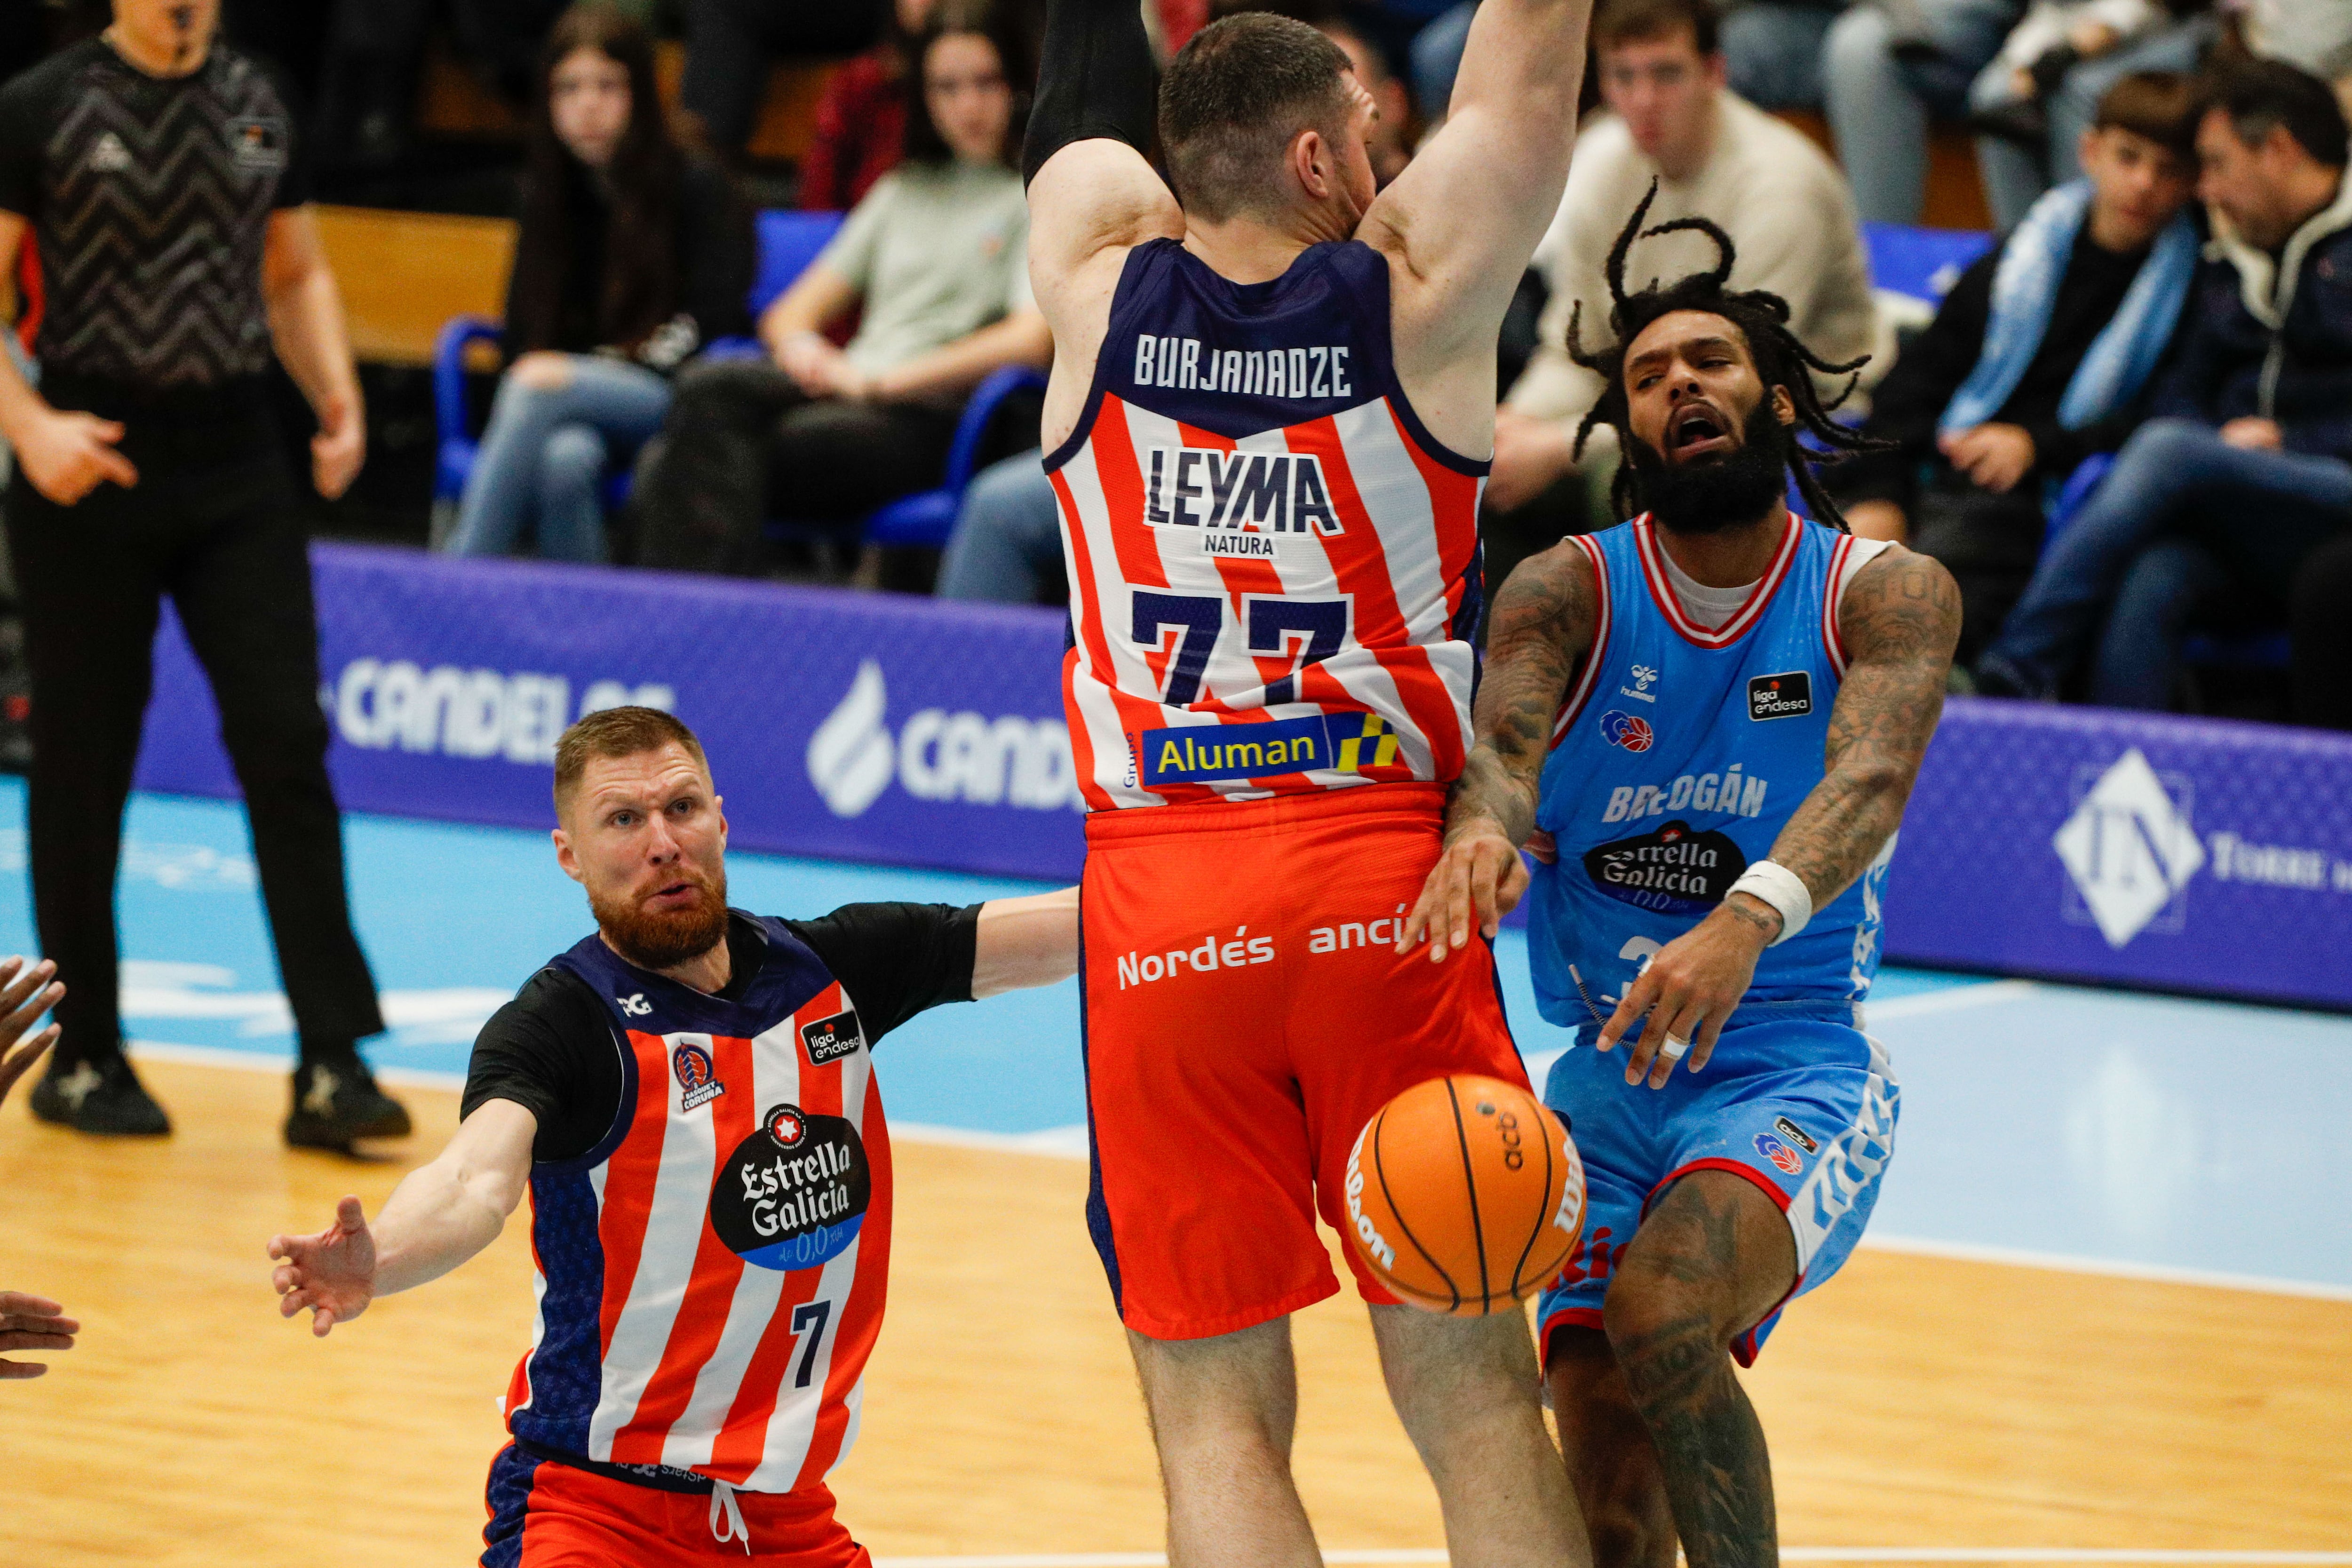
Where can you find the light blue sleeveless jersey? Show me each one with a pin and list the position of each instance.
(1677, 758)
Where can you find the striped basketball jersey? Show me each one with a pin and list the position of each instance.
(1679, 754)
(1274, 567)
(710, 1277)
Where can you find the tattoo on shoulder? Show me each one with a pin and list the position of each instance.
(1540, 624)
(1902, 607)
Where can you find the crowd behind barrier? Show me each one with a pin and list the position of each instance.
(2145, 850)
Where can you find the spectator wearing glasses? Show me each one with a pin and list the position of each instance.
(937, 256)
(2246, 472)
(2036, 358)
(631, 257)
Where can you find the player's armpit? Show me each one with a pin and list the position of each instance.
(1901, 618)
(1464, 217)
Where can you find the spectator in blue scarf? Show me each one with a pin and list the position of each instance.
(2247, 470)
(2037, 358)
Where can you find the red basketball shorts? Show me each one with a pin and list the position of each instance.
(1246, 1015)
(547, 1514)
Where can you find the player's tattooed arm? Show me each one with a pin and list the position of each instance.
(1901, 616)
(1540, 626)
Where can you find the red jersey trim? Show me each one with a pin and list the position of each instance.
(1581, 692)
(1833, 630)
(1662, 588)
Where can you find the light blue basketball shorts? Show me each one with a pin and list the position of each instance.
(1795, 1100)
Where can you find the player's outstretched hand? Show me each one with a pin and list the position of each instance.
(1478, 881)
(32, 1324)
(331, 1275)
(25, 993)
(1689, 990)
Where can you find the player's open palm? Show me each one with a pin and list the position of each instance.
(332, 1275)
(1687, 992)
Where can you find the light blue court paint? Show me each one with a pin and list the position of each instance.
(2129, 1130)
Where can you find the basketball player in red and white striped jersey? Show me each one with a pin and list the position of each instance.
(1269, 422)
(688, 1098)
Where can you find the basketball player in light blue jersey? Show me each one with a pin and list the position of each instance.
(1704, 721)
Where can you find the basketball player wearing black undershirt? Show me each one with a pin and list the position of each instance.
(153, 208)
(550, 1051)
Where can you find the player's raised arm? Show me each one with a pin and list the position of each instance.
(440, 1215)
(1543, 622)
(1465, 216)
(1093, 194)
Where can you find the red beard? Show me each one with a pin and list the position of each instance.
(664, 939)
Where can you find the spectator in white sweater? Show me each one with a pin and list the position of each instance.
(1671, 120)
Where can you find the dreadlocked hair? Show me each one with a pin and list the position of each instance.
(1763, 319)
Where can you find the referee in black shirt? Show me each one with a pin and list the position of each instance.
(151, 173)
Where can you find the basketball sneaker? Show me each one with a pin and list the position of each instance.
(101, 1096)
(337, 1102)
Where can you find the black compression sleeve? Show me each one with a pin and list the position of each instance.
(1094, 80)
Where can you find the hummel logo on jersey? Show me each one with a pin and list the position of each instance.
(1320, 372)
(635, 1006)
(1237, 493)
(1639, 691)
(1789, 695)
(108, 155)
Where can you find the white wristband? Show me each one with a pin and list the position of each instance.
(1782, 889)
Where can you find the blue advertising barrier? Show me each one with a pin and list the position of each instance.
(2186, 854)
(2129, 848)
(855, 726)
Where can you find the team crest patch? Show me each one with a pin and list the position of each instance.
(794, 1194)
(698, 1079)
(1788, 694)
(1784, 1158)
(830, 1039)
(1622, 729)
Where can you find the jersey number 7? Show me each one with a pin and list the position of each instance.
(1311, 630)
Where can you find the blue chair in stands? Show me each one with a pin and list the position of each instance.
(788, 242)
(2205, 651)
(1921, 262)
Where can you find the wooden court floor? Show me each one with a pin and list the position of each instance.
(1914, 1402)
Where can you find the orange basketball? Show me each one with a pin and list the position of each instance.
(1465, 1195)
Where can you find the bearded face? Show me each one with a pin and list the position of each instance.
(1727, 486)
(683, 918)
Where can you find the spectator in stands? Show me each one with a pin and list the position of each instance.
(2320, 632)
(1386, 142)
(2031, 104)
(729, 44)
(1662, 75)
(631, 257)
(1888, 67)
(861, 121)
(2249, 466)
(2036, 358)
(936, 255)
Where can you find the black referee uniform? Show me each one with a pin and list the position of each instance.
(148, 203)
